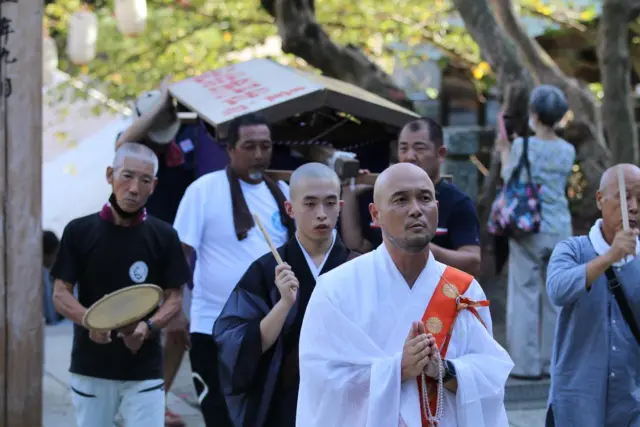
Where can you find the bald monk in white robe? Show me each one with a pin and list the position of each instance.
(374, 325)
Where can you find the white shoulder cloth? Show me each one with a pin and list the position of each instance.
(602, 247)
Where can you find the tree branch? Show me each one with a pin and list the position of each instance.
(544, 69)
(562, 19)
(498, 50)
(615, 66)
(496, 47)
(431, 38)
(303, 37)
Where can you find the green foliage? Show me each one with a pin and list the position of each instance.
(185, 38)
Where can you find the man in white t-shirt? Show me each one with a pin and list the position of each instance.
(215, 221)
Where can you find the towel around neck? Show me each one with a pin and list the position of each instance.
(242, 218)
(601, 246)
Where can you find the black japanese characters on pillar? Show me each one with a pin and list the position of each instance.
(6, 57)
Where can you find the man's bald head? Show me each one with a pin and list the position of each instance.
(312, 172)
(609, 178)
(405, 207)
(608, 198)
(400, 172)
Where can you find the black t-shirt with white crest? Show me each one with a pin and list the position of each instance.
(100, 257)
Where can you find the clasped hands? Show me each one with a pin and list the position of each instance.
(133, 336)
(420, 354)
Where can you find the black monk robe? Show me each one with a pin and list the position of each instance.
(261, 390)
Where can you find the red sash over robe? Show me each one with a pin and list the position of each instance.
(439, 319)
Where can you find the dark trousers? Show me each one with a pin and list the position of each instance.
(550, 422)
(204, 365)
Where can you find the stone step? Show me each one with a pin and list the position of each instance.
(522, 391)
(534, 406)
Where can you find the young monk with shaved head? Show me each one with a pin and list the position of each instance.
(396, 338)
(595, 280)
(257, 332)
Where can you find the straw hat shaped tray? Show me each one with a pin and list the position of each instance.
(122, 307)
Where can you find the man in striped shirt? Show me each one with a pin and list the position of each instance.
(457, 240)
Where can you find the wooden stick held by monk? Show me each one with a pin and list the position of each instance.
(274, 250)
(623, 199)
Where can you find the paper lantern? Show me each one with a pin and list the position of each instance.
(131, 16)
(49, 61)
(82, 36)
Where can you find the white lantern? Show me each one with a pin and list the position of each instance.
(49, 61)
(131, 16)
(82, 36)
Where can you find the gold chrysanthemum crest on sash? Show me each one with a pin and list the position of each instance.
(439, 319)
(434, 325)
(450, 291)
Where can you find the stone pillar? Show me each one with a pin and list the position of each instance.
(462, 142)
(21, 317)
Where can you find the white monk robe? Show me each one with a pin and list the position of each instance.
(351, 344)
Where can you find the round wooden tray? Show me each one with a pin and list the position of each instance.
(122, 308)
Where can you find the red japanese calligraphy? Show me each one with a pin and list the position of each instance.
(284, 93)
(236, 89)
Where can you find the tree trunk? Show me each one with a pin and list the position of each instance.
(499, 51)
(593, 154)
(496, 43)
(585, 211)
(615, 69)
(545, 71)
(496, 47)
(303, 37)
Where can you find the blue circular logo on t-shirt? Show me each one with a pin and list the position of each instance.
(276, 222)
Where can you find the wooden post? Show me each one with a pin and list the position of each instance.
(21, 316)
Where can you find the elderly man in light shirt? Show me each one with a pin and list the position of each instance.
(595, 279)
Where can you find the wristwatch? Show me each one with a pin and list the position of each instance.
(449, 372)
(151, 327)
